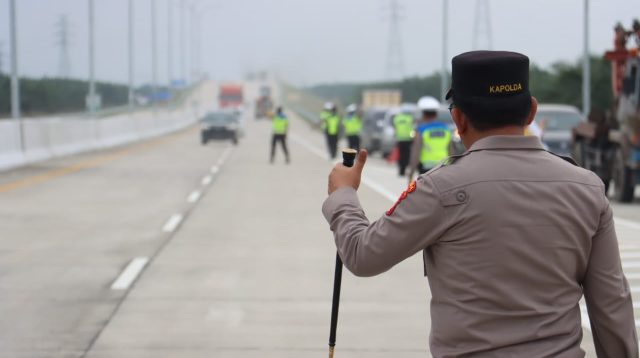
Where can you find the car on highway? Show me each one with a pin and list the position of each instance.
(557, 121)
(373, 130)
(221, 125)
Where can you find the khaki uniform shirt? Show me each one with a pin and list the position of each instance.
(513, 236)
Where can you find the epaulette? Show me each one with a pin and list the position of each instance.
(452, 159)
(565, 158)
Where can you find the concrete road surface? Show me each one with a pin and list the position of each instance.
(172, 249)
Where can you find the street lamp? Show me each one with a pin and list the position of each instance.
(445, 29)
(15, 83)
(154, 50)
(131, 55)
(586, 65)
(93, 100)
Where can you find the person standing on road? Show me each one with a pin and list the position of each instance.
(506, 272)
(403, 123)
(280, 127)
(432, 141)
(352, 127)
(331, 127)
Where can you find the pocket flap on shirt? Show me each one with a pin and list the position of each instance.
(455, 197)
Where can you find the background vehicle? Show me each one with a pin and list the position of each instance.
(373, 126)
(609, 143)
(230, 96)
(557, 122)
(264, 104)
(221, 125)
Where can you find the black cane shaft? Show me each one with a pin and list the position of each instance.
(348, 158)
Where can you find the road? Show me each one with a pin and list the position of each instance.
(167, 248)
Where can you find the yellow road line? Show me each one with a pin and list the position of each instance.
(90, 163)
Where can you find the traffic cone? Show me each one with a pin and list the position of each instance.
(394, 155)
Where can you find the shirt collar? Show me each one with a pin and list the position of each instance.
(507, 142)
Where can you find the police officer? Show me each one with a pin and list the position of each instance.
(331, 127)
(512, 236)
(403, 123)
(352, 127)
(432, 140)
(280, 127)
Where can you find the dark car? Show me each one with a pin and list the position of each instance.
(373, 128)
(221, 125)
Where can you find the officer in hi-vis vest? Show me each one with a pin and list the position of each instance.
(280, 126)
(331, 127)
(352, 127)
(403, 123)
(432, 141)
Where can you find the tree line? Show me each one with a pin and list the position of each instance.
(561, 83)
(57, 95)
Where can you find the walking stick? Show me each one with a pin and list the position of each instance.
(348, 157)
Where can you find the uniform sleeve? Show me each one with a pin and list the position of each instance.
(368, 249)
(607, 294)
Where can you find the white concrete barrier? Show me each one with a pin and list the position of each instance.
(50, 137)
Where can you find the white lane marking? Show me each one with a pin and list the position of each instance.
(207, 180)
(172, 223)
(194, 196)
(632, 276)
(215, 169)
(310, 147)
(130, 273)
(379, 188)
(626, 222)
(633, 264)
(624, 247)
(224, 156)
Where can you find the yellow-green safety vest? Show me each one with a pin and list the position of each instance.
(403, 124)
(435, 146)
(352, 125)
(332, 124)
(280, 125)
(323, 118)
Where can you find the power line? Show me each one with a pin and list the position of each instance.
(482, 27)
(395, 53)
(62, 36)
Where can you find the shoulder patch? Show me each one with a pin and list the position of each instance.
(452, 159)
(412, 187)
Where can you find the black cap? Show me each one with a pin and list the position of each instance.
(490, 81)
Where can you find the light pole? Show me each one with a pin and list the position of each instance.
(154, 50)
(15, 83)
(169, 42)
(92, 98)
(131, 55)
(445, 28)
(183, 68)
(586, 65)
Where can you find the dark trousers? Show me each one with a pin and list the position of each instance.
(404, 149)
(354, 141)
(282, 138)
(332, 145)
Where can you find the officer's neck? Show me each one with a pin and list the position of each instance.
(474, 135)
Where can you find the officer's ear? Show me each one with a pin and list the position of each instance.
(533, 111)
(461, 121)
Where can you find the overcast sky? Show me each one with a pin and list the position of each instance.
(306, 41)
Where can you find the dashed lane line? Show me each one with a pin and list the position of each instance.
(130, 273)
(173, 223)
(194, 196)
(207, 180)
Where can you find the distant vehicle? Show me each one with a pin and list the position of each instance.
(230, 96)
(220, 125)
(383, 98)
(557, 122)
(264, 104)
(373, 126)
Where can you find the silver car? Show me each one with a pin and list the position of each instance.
(556, 121)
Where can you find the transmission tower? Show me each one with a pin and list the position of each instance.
(395, 54)
(1, 58)
(482, 36)
(62, 41)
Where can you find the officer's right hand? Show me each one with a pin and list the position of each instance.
(341, 176)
